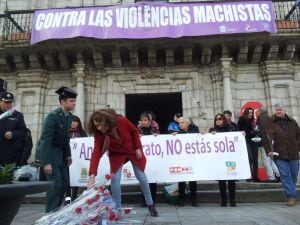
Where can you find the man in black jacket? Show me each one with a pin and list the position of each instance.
(12, 131)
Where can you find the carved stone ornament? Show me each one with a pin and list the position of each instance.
(152, 72)
(216, 72)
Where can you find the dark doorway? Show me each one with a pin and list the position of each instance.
(164, 106)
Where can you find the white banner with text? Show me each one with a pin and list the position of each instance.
(173, 158)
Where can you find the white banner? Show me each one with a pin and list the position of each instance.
(183, 157)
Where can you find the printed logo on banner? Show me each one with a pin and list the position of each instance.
(266, 26)
(180, 170)
(231, 167)
(83, 178)
(83, 173)
(222, 29)
(128, 174)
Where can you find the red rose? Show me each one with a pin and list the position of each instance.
(127, 210)
(111, 216)
(108, 176)
(78, 210)
(89, 201)
(96, 197)
(101, 189)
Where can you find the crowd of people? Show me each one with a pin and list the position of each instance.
(276, 138)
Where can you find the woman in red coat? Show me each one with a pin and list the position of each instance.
(117, 135)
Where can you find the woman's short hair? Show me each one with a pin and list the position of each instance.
(145, 115)
(227, 112)
(107, 116)
(185, 119)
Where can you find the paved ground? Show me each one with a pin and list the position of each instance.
(271, 213)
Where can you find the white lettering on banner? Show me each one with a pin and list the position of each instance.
(101, 18)
(183, 157)
(230, 13)
(152, 16)
(148, 16)
(60, 19)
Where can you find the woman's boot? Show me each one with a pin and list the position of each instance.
(152, 210)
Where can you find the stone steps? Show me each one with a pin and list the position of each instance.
(208, 192)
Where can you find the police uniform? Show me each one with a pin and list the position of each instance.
(11, 121)
(54, 149)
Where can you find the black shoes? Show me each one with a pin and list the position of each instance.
(195, 204)
(152, 210)
(181, 202)
(67, 201)
(223, 204)
(232, 204)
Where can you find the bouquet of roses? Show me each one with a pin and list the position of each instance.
(94, 207)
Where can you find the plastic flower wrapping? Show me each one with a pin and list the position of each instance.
(93, 207)
(26, 173)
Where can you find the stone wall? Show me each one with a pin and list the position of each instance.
(200, 92)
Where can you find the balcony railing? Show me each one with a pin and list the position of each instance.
(16, 25)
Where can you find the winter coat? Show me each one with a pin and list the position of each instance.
(247, 126)
(26, 148)
(54, 145)
(119, 151)
(148, 130)
(191, 129)
(285, 133)
(220, 129)
(11, 150)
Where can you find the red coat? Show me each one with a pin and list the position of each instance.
(119, 150)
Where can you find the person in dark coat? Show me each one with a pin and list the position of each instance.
(281, 140)
(221, 125)
(186, 127)
(232, 125)
(12, 131)
(54, 147)
(271, 168)
(76, 131)
(246, 124)
(145, 128)
(26, 152)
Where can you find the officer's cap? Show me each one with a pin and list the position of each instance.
(7, 97)
(65, 92)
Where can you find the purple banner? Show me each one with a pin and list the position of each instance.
(154, 20)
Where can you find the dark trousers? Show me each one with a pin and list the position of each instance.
(55, 197)
(153, 189)
(252, 149)
(231, 187)
(193, 190)
(72, 192)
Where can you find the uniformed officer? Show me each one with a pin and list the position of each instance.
(12, 130)
(54, 149)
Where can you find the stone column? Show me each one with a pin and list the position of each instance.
(226, 74)
(79, 74)
(216, 79)
(30, 93)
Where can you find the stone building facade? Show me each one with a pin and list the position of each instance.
(206, 74)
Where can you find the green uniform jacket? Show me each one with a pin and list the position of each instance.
(53, 147)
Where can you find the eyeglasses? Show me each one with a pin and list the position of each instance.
(219, 118)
